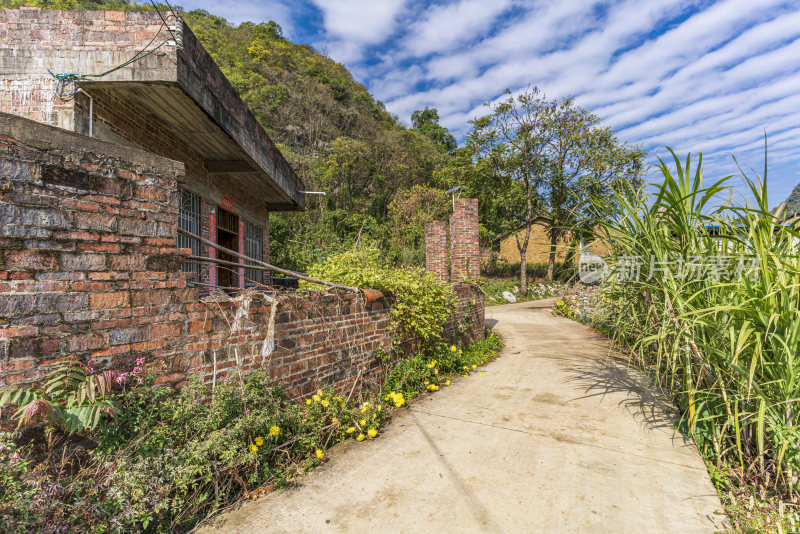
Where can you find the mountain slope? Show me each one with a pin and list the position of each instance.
(793, 202)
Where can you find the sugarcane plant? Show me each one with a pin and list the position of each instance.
(705, 292)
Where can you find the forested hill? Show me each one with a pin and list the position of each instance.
(793, 202)
(339, 139)
(336, 135)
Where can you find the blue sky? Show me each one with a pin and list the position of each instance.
(696, 76)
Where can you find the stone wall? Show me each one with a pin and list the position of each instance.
(89, 269)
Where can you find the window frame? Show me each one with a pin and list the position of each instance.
(189, 219)
(253, 248)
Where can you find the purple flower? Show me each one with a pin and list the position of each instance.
(122, 378)
(139, 362)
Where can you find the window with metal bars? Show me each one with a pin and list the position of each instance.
(189, 220)
(253, 248)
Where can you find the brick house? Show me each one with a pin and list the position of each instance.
(172, 101)
(98, 174)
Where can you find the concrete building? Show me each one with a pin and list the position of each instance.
(135, 79)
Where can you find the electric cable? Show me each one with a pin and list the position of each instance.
(141, 54)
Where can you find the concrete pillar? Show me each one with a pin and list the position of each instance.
(465, 254)
(436, 249)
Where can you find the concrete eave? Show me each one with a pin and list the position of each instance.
(186, 91)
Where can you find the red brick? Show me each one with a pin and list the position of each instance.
(162, 330)
(98, 301)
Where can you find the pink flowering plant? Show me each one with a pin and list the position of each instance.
(72, 397)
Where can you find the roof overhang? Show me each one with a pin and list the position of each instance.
(184, 89)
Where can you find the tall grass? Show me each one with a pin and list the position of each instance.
(725, 345)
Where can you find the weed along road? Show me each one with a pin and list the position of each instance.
(555, 436)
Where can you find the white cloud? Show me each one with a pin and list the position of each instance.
(350, 25)
(441, 28)
(693, 74)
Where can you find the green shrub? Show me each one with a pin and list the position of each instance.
(433, 368)
(422, 304)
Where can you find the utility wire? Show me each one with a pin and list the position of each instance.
(141, 54)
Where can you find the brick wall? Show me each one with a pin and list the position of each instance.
(436, 249)
(89, 268)
(111, 37)
(29, 31)
(465, 254)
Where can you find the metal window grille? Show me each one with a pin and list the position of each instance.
(253, 248)
(189, 220)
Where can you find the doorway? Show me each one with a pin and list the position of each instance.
(228, 237)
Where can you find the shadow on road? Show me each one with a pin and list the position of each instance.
(648, 405)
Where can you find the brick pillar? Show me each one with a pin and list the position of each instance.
(436, 249)
(464, 247)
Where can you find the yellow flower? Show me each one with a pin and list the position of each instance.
(341, 405)
(481, 374)
(363, 422)
(319, 392)
(436, 371)
(360, 437)
(452, 348)
(380, 407)
(466, 368)
(474, 366)
(432, 364)
(320, 454)
(351, 430)
(426, 382)
(316, 398)
(335, 420)
(396, 398)
(274, 431)
(253, 448)
(447, 383)
(460, 352)
(372, 433)
(259, 441)
(433, 387)
(308, 401)
(325, 403)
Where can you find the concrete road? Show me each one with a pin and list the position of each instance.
(556, 437)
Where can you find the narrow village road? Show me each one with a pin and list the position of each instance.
(556, 437)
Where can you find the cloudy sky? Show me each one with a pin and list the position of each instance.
(696, 76)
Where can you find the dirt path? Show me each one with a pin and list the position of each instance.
(556, 437)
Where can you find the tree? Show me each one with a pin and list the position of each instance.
(426, 121)
(583, 163)
(508, 146)
(409, 211)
